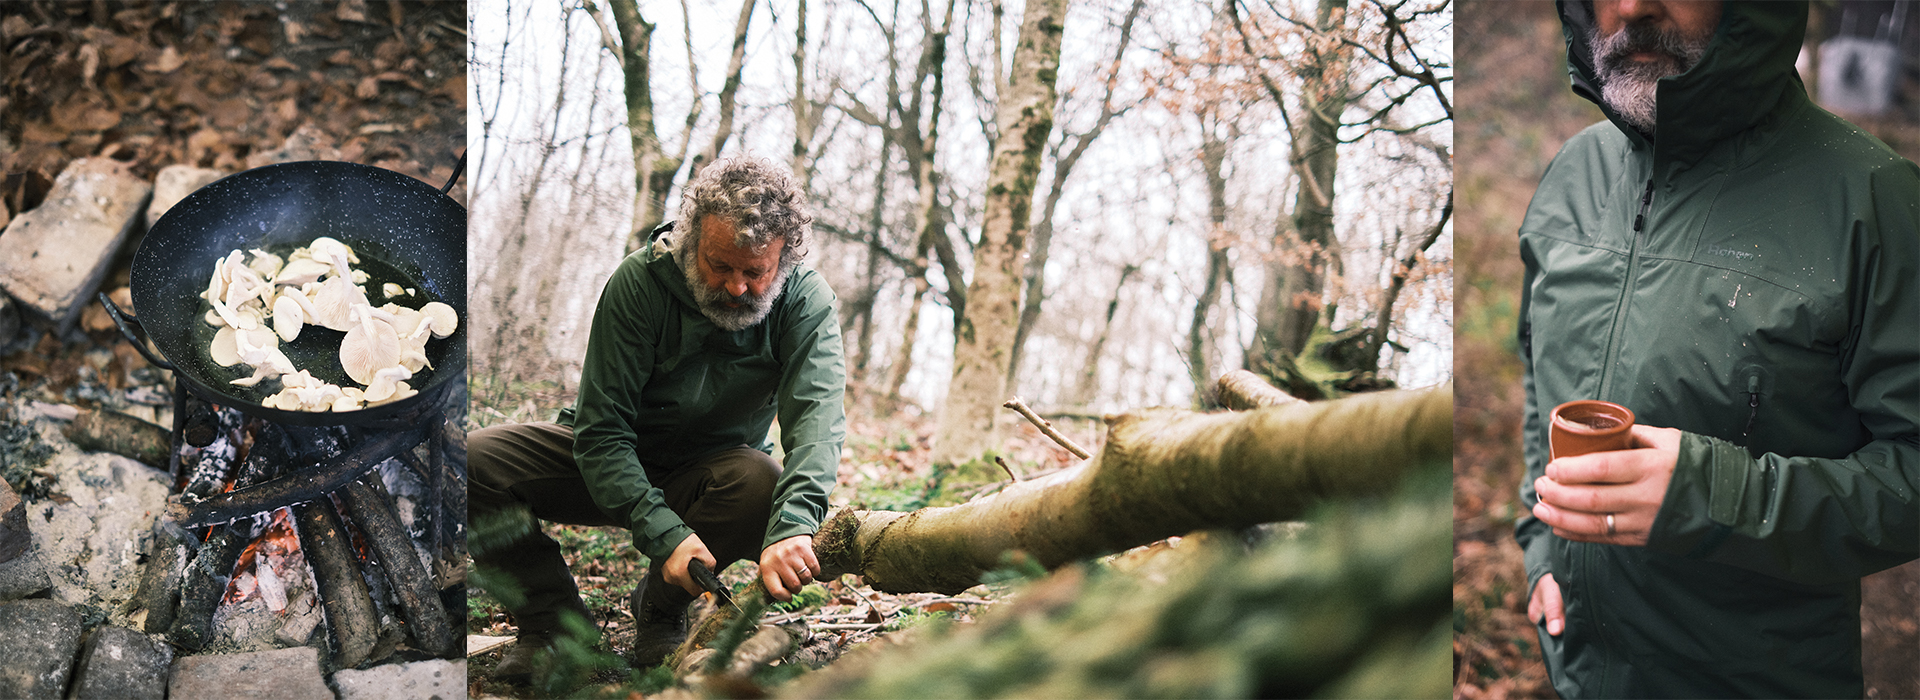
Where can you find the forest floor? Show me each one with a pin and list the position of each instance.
(885, 466)
(1515, 111)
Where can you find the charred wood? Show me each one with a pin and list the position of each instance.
(343, 595)
(205, 584)
(118, 433)
(419, 601)
(299, 486)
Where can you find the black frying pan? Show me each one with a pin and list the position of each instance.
(403, 230)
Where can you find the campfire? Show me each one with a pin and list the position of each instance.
(282, 535)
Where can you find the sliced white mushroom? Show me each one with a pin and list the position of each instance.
(225, 351)
(288, 316)
(385, 382)
(392, 290)
(213, 319)
(259, 373)
(445, 319)
(401, 392)
(217, 285)
(345, 403)
(301, 271)
(235, 320)
(265, 264)
(370, 346)
(333, 305)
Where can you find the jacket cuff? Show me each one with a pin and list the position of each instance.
(660, 546)
(1705, 498)
(782, 528)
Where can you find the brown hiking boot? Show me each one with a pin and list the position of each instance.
(660, 620)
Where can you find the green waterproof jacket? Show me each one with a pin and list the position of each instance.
(663, 386)
(1750, 275)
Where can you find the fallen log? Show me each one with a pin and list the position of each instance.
(1161, 473)
(1240, 390)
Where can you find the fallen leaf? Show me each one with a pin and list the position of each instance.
(280, 63)
(168, 62)
(352, 11)
(368, 89)
(941, 606)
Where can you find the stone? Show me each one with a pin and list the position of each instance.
(92, 539)
(120, 664)
(22, 577)
(305, 143)
(173, 184)
(52, 258)
(15, 538)
(433, 679)
(38, 639)
(9, 321)
(281, 674)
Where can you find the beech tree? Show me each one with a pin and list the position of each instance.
(983, 338)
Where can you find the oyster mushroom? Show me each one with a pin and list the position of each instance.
(301, 271)
(445, 319)
(265, 264)
(386, 382)
(288, 315)
(333, 305)
(370, 346)
(224, 350)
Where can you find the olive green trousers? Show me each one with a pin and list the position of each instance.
(726, 497)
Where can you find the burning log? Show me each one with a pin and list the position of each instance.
(343, 594)
(121, 434)
(419, 601)
(299, 486)
(159, 591)
(206, 584)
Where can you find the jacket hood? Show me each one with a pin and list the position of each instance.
(659, 256)
(1745, 74)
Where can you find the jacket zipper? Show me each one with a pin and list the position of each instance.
(1626, 288)
(1753, 405)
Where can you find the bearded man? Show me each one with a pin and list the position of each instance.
(1742, 270)
(699, 342)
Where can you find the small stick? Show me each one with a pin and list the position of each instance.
(997, 459)
(1045, 427)
(107, 430)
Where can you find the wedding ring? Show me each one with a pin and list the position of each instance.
(1609, 524)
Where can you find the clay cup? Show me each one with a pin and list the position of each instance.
(1580, 427)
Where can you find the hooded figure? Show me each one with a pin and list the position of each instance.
(1748, 273)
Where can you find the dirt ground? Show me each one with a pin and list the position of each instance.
(1515, 111)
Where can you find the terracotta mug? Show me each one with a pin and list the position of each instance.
(1580, 427)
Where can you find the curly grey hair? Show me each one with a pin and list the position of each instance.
(759, 198)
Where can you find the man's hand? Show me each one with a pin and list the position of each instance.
(1578, 493)
(675, 571)
(787, 565)
(1545, 603)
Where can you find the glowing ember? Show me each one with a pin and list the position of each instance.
(274, 547)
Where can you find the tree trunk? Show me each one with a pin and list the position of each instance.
(653, 167)
(1090, 377)
(1290, 306)
(731, 87)
(1213, 157)
(984, 336)
(1161, 473)
(1036, 273)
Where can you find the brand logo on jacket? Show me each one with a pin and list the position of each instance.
(1726, 252)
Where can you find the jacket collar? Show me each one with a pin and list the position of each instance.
(1746, 74)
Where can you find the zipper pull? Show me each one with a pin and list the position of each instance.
(1753, 404)
(1646, 201)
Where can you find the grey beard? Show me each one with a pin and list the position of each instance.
(712, 302)
(1631, 87)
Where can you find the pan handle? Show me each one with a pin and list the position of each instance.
(127, 325)
(458, 168)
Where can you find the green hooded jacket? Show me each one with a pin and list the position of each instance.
(1749, 275)
(662, 384)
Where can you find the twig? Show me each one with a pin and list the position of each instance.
(864, 627)
(961, 601)
(1046, 427)
(997, 459)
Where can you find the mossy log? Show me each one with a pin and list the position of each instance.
(1161, 473)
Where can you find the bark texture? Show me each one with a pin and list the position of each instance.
(1161, 473)
(984, 336)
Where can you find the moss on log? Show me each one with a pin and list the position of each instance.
(1162, 473)
(1359, 605)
